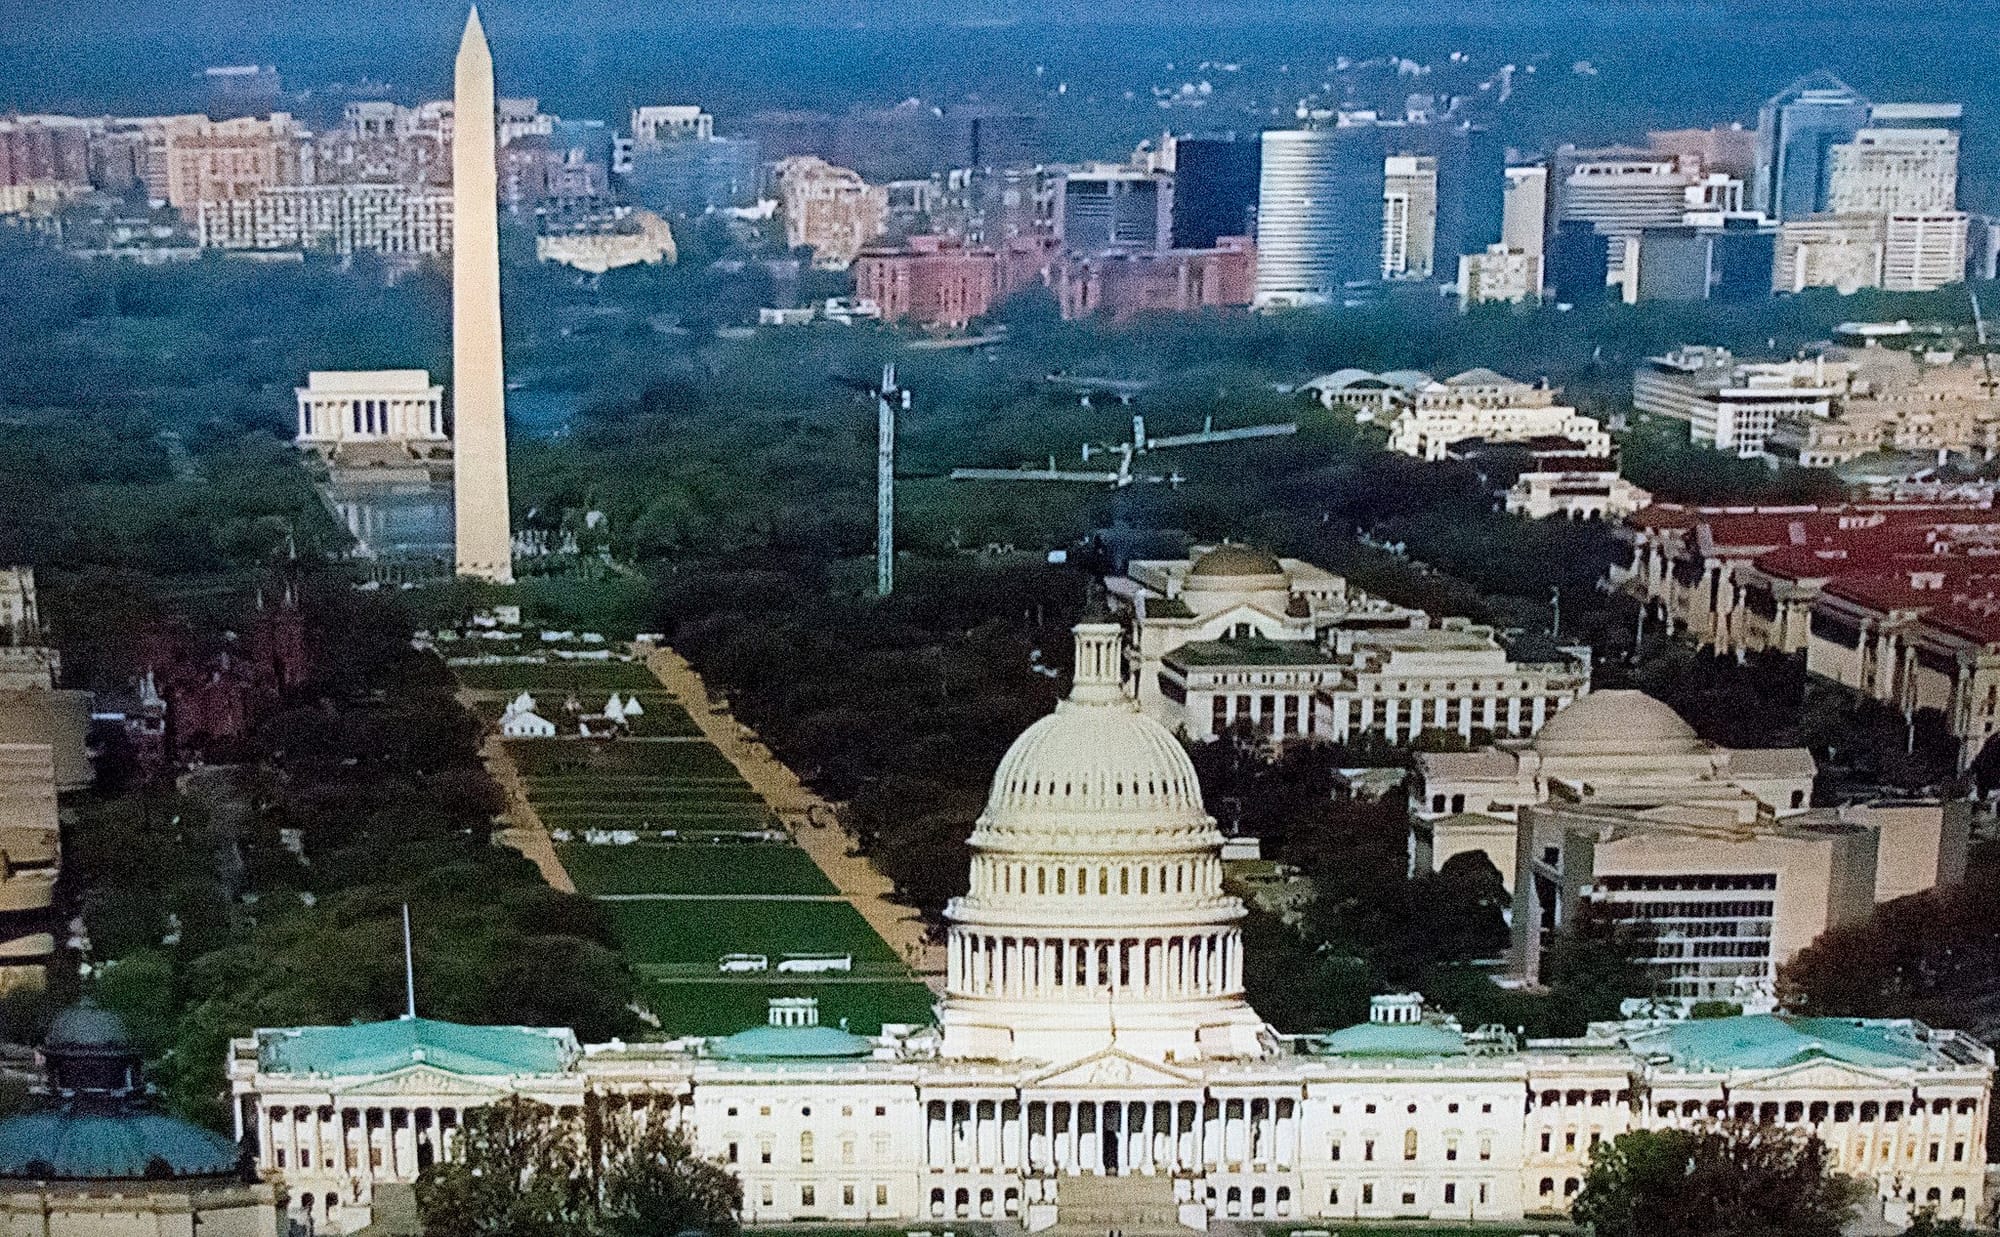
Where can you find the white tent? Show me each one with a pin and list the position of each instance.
(528, 725)
(614, 709)
(523, 703)
(633, 708)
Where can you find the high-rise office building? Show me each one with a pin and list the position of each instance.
(1115, 206)
(1215, 188)
(1525, 217)
(1578, 267)
(1884, 171)
(693, 175)
(1797, 130)
(1923, 251)
(1319, 213)
(1620, 193)
(1471, 183)
(1711, 258)
(1409, 216)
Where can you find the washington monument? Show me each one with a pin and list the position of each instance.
(478, 389)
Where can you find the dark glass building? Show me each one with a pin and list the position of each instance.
(1215, 188)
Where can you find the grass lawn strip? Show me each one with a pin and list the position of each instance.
(702, 931)
(715, 868)
(702, 1008)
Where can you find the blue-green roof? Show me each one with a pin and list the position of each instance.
(82, 1144)
(769, 1043)
(1772, 1041)
(384, 1047)
(1253, 652)
(1392, 1039)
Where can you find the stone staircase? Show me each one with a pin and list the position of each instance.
(1132, 1206)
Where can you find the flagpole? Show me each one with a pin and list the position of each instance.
(409, 967)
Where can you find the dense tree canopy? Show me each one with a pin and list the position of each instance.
(1736, 1180)
(521, 1170)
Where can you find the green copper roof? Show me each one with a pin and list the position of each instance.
(113, 1144)
(769, 1043)
(1207, 653)
(1771, 1041)
(1393, 1039)
(383, 1047)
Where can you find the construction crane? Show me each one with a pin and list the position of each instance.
(1126, 452)
(889, 399)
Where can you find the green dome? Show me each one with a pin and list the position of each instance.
(76, 1143)
(791, 1044)
(88, 1029)
(1231, 560)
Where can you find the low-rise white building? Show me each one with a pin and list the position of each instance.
(1728, 404)
(1234, 636)
(1094, 1062)
(1490, 407)
(1369, 396)
(342, 407)
(1575, 493)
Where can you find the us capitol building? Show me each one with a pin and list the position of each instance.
(1094, 1065)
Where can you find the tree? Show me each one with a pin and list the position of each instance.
(1933, 955)
(517, 1171)
(1731, 1180)
(1927, 1224)
(522, 1170)
(654, 1183)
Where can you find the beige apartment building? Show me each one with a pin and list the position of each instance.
(230, 161)
(829, 209)
(1895, 400)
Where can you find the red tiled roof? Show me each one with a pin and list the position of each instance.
(1973, 618)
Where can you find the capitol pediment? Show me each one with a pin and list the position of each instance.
(425, 1080)
(1114, 1067)
(1823, 1074)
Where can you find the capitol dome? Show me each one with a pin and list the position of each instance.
(1095, 913)
(1618, 723)
(1092, 766)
